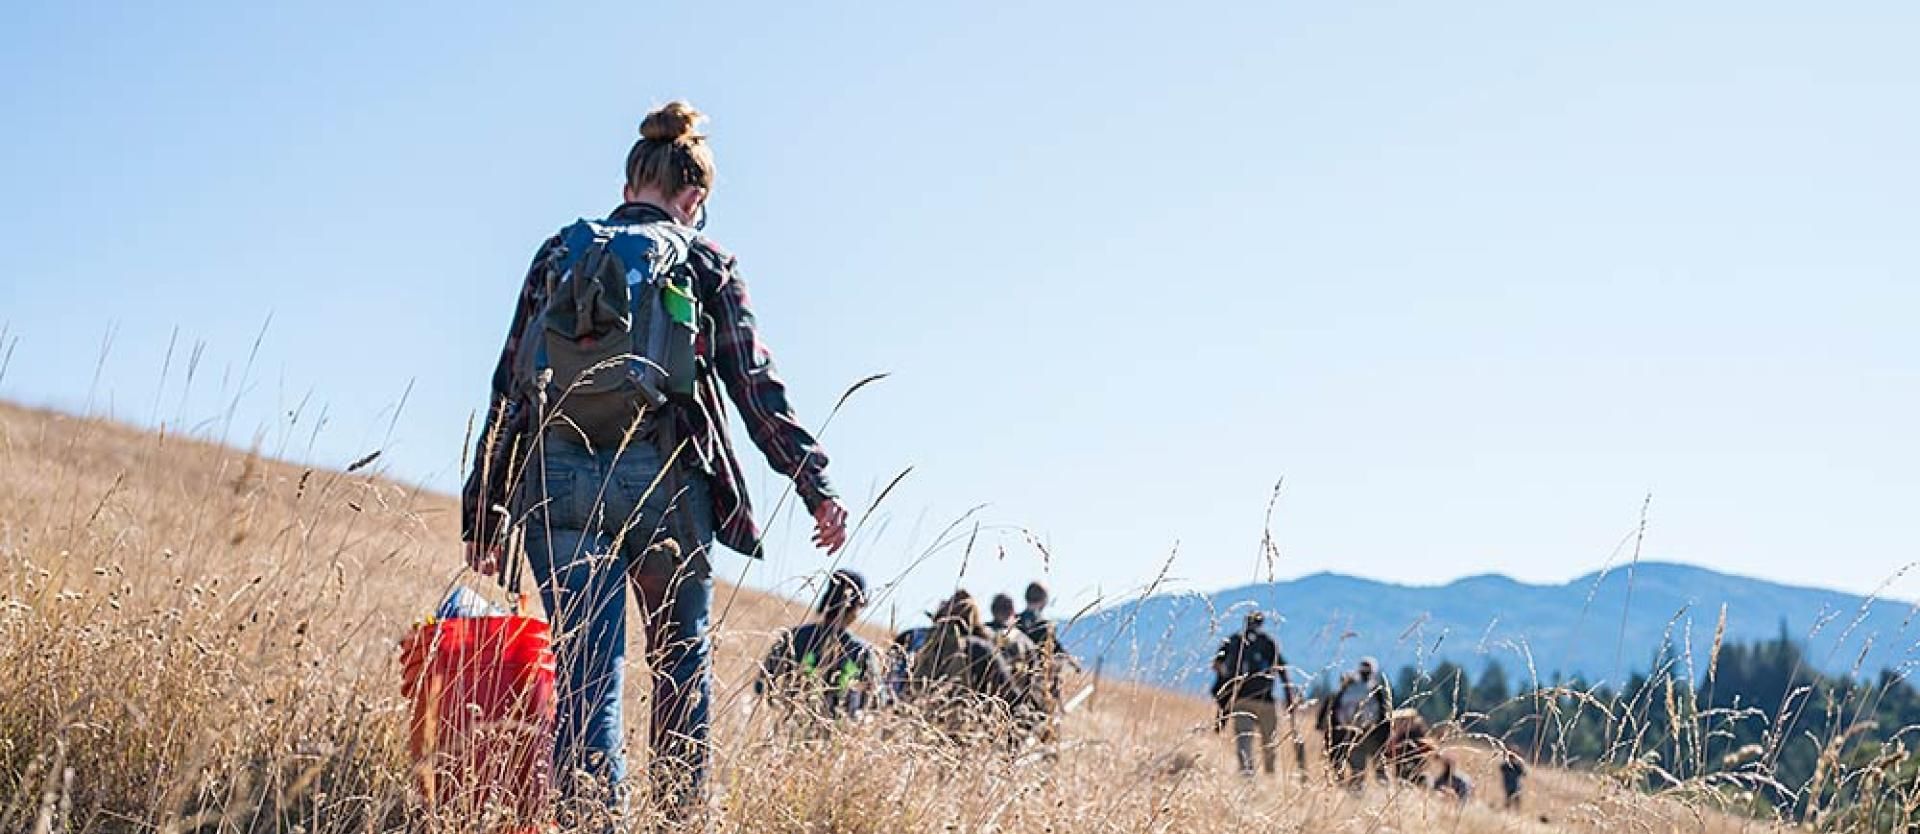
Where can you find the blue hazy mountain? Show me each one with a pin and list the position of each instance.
(1599, 627)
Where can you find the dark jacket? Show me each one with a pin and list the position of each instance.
(1040, 630)
(732, 356)
(1249, 664)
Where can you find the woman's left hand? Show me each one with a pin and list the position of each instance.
(830, 526)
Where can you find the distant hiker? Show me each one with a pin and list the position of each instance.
(1413, 754)
(605, 444)
(1054, 658)
(1354, 719)
(1410, 748)
(1447, 778)
(958, 677)
(1033, 621)
(1001, 617)
(821, 669)
(1022, 656)
(1246, 670)
(1006, 629)
(1030, 665)
(1513, 774)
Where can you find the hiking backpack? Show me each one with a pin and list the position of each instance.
(798, 670)
(942, 661)
(612, 337)
(1250, 658)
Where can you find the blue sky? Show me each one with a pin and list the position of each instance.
(1474, 278)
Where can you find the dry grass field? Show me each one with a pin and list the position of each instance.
(194, 638)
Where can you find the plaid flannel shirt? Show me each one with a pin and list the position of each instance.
(733, 355)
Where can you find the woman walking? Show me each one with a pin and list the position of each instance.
(606, 449)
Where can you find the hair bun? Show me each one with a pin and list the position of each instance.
(671, 123)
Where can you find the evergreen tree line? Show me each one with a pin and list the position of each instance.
(1754, 727)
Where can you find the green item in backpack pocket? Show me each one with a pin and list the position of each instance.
(679, 301)
(682, 309)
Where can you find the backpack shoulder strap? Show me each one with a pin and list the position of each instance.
(579, 236)
(577, 240)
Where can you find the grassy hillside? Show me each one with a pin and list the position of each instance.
(198, 639)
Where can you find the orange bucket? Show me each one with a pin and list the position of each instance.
(483, 717)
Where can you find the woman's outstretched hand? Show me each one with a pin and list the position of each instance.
(830, 526)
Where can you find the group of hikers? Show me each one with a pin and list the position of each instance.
(1362, 734)
(970, 677)
(605, 458)
(605, 452)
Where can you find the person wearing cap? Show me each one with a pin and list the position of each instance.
(1246, 668)
(1355, 718)
(822, 669)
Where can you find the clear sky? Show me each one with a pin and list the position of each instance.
(1473, 277)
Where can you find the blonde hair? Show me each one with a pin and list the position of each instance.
(670, 156)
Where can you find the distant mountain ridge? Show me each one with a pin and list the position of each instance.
(1601, 626)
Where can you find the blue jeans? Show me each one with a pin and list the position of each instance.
(592, 528)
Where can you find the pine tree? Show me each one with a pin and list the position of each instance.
(1490, 692)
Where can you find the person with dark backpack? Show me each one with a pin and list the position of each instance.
(1033, 620)
(1248, 668)
(822, 670)
(1029, 667)
(605, 449)
(1513, 773)
(959, 678)
(1358, 721)
(1053, 659)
